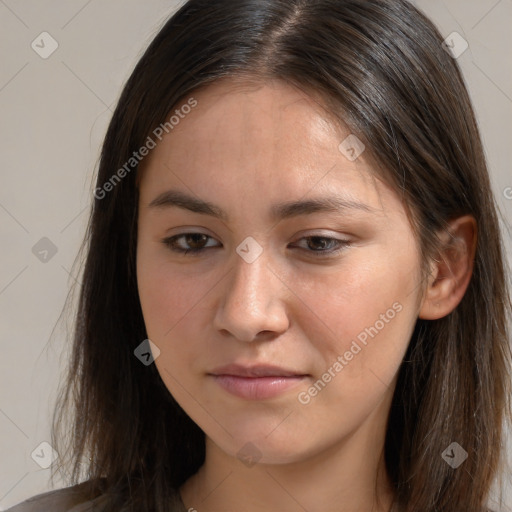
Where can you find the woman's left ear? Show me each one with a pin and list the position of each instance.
(451, 271)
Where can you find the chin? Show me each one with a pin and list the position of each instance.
(250, 448)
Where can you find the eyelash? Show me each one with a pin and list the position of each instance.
(171, 241)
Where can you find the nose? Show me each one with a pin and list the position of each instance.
(252, 305)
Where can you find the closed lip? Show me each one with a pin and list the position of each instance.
(260, 370)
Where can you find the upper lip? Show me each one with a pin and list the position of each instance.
(260, 370)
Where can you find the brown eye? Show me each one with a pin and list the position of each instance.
(321, 243)
(324, 246)
(188, 242)
(196, 240)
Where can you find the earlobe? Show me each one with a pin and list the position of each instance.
(452, 269)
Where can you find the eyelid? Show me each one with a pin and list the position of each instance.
(323, 234)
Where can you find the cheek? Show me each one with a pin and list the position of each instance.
(171, 306)
(169, 298)
(365, 313)
(361, 328)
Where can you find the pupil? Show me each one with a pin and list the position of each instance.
(319, 242)
(194, 239)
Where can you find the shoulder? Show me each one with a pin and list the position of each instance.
(77, 498)
(85, 497)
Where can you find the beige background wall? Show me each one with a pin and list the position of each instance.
(53, 114)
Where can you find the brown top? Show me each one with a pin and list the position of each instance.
(72, 499)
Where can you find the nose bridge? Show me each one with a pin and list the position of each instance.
(247, 285)
(251, 301)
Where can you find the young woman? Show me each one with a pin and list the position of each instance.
(294, 296)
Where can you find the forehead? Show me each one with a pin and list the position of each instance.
(272, 113)
(239, 128)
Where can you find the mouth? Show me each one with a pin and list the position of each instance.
(256, 382)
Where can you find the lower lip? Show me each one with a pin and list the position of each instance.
(257, 388)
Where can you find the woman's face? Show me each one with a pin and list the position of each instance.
(306, 264)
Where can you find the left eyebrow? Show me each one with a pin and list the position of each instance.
(280, 211)
(324, 204)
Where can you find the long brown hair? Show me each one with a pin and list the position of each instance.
(381, 69)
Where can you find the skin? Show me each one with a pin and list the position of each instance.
(244, 148)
